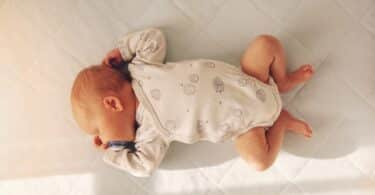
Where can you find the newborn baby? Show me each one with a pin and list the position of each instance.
(136, 119)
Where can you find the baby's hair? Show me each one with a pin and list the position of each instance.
(94, 81)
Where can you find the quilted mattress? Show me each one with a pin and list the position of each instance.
(44, 43)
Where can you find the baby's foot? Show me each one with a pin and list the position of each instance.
(296, 125)
(303, 74)
(299, 127)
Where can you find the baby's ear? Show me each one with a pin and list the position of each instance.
(112, 103)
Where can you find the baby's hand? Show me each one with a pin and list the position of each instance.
(99, 144)
(113, 58)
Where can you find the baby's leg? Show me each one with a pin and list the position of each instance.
(265, 55)
(259, 148)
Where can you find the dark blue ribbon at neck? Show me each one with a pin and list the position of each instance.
(122, 145)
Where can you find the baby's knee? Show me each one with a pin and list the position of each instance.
(262, 165)
(258, 163)
(267, 41)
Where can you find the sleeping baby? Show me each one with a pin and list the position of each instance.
(135, 115)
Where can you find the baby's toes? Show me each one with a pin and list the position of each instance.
(308, 131)
(307, 70)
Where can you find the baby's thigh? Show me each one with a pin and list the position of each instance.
(252, 146)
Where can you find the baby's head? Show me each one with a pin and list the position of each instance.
(104, 104)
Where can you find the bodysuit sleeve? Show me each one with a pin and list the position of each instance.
(150, 151)
(148, 46)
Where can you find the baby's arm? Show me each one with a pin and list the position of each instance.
(150, 151)
(147, 46)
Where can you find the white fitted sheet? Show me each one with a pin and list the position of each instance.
(43, 44)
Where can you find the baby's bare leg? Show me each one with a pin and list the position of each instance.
(259, 148)
(266, 56)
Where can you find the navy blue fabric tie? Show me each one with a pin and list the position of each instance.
(120, 145)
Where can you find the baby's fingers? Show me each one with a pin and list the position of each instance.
(104, 146)
(97, 142)
(107, 61)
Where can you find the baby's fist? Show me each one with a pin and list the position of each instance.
(99, 144)
(113, 58)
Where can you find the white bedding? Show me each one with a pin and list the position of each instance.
(43, 44)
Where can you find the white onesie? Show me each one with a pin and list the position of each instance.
(187, 101)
